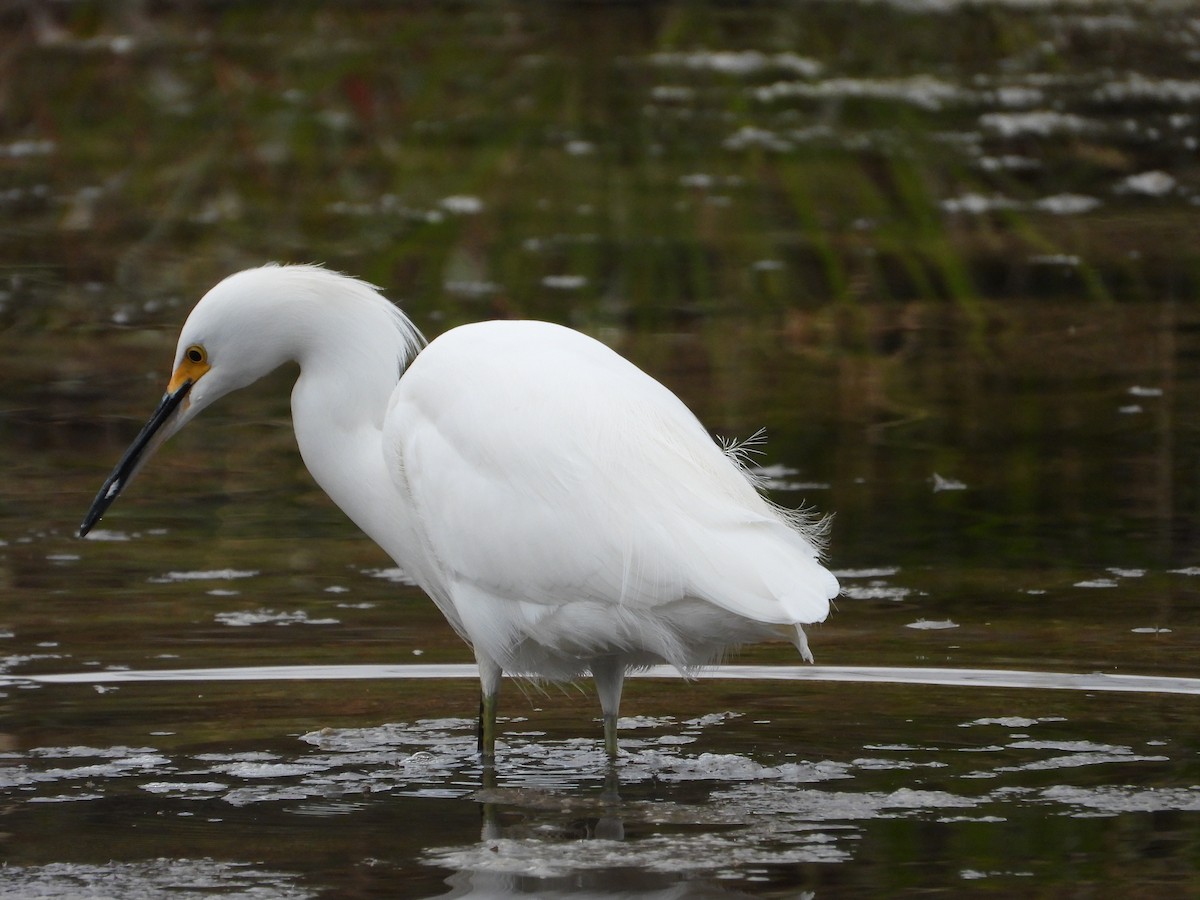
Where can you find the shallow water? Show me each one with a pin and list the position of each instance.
(954, 790)
(945, 253)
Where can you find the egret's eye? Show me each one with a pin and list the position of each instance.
(196, 354)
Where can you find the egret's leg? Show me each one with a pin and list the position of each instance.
(491, 829)
(609, 674)
(611, 825)
(489, 682)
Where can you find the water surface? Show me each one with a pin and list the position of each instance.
(945, 253)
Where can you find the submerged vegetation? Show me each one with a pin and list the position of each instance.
(630, 162)
(907, 237)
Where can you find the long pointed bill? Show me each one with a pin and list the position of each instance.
(161, 426)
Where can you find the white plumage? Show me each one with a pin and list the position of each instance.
(565, 511)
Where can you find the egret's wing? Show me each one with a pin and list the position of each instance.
(547, 471)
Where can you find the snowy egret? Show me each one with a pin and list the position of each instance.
(565, 511)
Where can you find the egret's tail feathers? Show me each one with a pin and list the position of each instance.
(805, 521)
(768, 573)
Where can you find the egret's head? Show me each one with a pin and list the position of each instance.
(237, 333)
(244, 328)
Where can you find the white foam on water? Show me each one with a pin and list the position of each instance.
(875, 591)
(1068, 746)
(247, 756)
(941, 483)
(185, 789)
(333, 772)
(1136, 87)
(1150, 184)
(1117, 799)
(565, 282)
(1012, 721)
(394, 574)
(249, 617)
(875, 764)
(462, 205)
(1066, 204)
(260, 771)
(665, 763)
(884, 572)
(65, 798)
(153, 879)
(975, 874)
(208, 575)
(705, 852)
(924, 91)
(1127, 573)
(1080, 760)
(1140, 391)
(1038, 123)
(628, 723)
(76, 752)
(710, 719)
(779, 477)
(737, 62)
(978, 204)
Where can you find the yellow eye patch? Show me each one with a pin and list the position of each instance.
(193, 365)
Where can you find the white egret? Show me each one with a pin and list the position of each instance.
(565, 511)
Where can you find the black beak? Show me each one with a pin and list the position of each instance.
(139, 451)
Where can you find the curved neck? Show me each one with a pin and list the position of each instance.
(348, 371)
(338, 432)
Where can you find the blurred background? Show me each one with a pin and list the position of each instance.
(925, 245)
(946, 252)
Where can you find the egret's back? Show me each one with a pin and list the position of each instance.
(571, 507)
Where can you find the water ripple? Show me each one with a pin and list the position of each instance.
(945, 677)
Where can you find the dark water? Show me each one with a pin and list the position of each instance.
(945, 253)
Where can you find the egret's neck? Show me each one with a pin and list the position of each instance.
(340, 439)
(338, 407)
